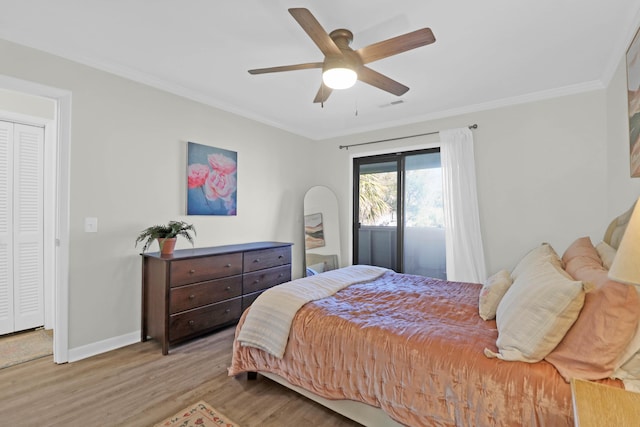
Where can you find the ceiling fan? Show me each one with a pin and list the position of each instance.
(342, 66)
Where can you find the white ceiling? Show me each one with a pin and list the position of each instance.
(487, 53)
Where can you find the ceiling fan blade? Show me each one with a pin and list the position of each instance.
(323, 94)
(313, 28)
(381, 81)
(286, 68)
(396, 45)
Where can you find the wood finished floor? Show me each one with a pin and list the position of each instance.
(136, 386)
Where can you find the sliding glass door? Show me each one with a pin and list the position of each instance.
(376, 211)
(398, 212)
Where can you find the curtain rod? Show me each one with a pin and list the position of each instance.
(473, 126)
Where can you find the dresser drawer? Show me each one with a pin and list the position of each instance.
(204, 293)
(266, 258)
(265, 279)
(200, 319)
(194, 270)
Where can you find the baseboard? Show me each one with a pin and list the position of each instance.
(103, 346)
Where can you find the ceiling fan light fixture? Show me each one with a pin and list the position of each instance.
(339, 77)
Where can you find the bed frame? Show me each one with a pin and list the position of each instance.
(362, 413)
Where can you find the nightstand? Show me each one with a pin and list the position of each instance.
(599, 405)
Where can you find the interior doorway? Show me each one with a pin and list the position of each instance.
(19, 102)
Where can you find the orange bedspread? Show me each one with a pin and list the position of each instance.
(413, 346)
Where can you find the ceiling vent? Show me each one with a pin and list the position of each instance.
(390, 104)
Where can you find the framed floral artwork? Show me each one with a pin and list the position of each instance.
(212, 186)
(633, 96)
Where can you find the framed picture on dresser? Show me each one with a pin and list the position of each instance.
(212, 186)
(313, 231)
(633, 96)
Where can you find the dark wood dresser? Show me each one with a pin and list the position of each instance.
(195, 291)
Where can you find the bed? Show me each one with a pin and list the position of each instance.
(397, 349)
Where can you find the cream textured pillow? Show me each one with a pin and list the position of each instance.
(536, 313)
(538, 255)
(630, 370)
(492, 292)
(628, 364)
(607, 254)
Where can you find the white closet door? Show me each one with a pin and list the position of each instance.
(6, 228)
(28, 233)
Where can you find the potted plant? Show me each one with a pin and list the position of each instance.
(166, 235)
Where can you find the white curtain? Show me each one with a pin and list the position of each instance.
(465, 254)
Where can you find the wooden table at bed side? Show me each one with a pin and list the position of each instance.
(217, 282)
(599, 405)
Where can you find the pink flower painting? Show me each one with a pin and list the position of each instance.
(211, 180)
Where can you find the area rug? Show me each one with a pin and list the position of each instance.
(198, 415)
(25, 346)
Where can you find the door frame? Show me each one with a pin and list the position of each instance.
(393, 157)
(56, 204)
(383, 151)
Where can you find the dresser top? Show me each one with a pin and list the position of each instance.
(216, 250)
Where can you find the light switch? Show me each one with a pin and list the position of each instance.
(91, 225)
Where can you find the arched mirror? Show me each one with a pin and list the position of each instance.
(321, 231)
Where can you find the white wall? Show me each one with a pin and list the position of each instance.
(540, 168)
(128, 167)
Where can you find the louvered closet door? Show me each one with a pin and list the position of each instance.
(21, 227)
(6, 228)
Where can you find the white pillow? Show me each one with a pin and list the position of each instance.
(492, 292)
(536, 313)
(537, 255)
(607, 254)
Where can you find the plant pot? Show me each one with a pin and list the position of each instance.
(167, 245)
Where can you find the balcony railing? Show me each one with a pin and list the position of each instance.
(424, 249)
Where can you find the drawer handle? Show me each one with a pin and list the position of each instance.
(192, 271)
(280, 275)
(256, 260)
(228, 310)
(228, 265)
(281, 256)
(256, 281)
(191, 322)
(228, 288)
(192, 296)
